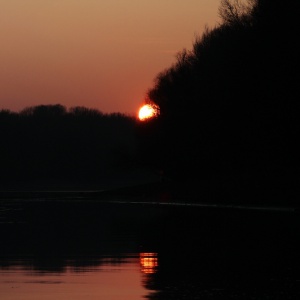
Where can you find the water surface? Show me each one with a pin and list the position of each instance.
(93, 250)
(102, 278)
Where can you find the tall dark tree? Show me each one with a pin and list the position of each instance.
(230, 106)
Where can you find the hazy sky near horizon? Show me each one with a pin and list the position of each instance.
(101, 54)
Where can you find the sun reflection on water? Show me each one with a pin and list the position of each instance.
(149, 262)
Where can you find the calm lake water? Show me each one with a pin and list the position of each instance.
(81, 249)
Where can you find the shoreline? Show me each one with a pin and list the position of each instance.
(149, 193)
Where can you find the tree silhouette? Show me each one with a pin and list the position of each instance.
(49, 143)
(236, 12)
(229, 108)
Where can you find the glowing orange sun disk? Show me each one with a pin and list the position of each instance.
(147, 111)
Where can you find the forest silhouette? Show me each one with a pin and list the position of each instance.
(229, 108)
(228, 125)
(48, 143)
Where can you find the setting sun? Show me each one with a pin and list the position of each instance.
(148, 111)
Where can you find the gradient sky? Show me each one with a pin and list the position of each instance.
(101, 54)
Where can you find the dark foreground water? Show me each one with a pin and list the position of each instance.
(80, 249)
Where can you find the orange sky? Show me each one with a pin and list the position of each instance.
(101, 54)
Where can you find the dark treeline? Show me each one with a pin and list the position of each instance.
(229, 108)
(227, 128)
(50, 143)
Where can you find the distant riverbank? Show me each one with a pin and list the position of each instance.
(151, 193)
